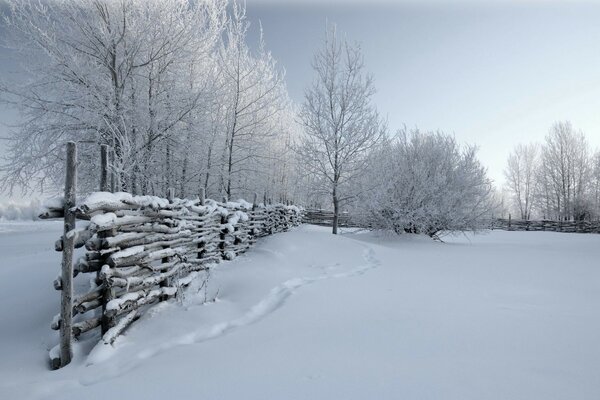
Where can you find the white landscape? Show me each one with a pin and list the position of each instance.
(299, 200)
(308, 315)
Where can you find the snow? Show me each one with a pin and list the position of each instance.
(131, 251)
(103, 220)
(308, 315)
(24, 210)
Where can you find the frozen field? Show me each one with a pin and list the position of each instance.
(307, 315)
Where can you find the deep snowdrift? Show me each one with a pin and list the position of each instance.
(308, 315)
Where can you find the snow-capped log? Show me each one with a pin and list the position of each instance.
(112, 334)
(145, 249)
(84, 326)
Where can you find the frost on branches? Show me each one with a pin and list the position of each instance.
(171, 85)
(424, 182)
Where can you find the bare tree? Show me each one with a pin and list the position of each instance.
(595, 185)
(520, 177)
(341, 125)
(564, 171)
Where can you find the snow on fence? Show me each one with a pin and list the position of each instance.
(142, 250)
(547, 225)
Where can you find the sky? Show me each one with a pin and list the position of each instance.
(493, 73)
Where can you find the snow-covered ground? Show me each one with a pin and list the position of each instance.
(308, 315)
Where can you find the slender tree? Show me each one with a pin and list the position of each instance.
(341, 125)
(520, 177)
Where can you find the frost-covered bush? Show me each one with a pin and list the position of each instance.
(12, 211)
(425, 182)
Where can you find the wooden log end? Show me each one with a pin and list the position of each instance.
(54, 357)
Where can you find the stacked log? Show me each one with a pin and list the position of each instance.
(146, 249)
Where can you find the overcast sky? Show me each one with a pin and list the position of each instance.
(494, 73)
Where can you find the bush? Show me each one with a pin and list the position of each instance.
(426, 183)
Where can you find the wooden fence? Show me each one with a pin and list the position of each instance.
(325, 218)
(546, 225)
(142, 250)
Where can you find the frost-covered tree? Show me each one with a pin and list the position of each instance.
(520, 177)
(425, 182)
(105, 72)
(563, 174)
(254, 97)
(595, 185)
(170, 85)
(341, 125)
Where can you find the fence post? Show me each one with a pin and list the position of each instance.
(164, 260)
(254, 201)
(104, 187)
(509, 221)
(202, 196)
(113, 180)
(66, 302)
(202, 200)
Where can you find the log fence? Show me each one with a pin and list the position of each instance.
(325, 218)
(546, 225)
(142, 250)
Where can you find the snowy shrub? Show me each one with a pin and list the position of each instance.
(20, 211)
(424, 182)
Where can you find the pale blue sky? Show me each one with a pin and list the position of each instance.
(494, 73)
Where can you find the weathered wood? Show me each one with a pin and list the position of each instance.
(202, 196)
(66, 306)
(104, 186)
(85, 326)
(137, 299)
(87, 306)
(94, 294)
(150, 249)
(114, 332)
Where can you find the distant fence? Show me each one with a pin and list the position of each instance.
(547, 225)
(325, 218)
(143, 249)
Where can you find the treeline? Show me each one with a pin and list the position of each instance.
(172, 86)
(558, 179)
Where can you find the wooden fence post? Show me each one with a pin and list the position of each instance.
(202, 200)
(254, 201)
(66, 302)
(509, 221)
(202, 196)
(164, 260)
(104, 187)
(113, 178)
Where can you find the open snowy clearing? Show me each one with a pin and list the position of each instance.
(308, 315)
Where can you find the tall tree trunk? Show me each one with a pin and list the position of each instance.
(336, 210)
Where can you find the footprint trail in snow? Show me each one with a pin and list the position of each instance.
(272, 302)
